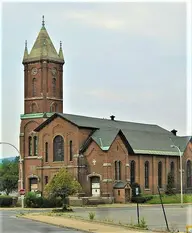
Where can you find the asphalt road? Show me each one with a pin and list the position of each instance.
(177, 217)
(10, 223)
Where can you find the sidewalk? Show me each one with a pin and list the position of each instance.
(81, 225)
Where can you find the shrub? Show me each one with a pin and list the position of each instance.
(139, 199)
(143, 224)
(34, 201)
(170, 184)
(6, 201)
(52, 202)
(91, 215)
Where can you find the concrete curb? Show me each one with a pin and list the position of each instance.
(80, 224)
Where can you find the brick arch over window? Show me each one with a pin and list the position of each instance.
(189, 174)
(58, 148)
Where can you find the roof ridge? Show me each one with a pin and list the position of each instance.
(99, 118)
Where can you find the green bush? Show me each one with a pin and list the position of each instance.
(34, 201)
(170, 199)
(91, 215)
(139, 199)
(6, 201)
(52, 202)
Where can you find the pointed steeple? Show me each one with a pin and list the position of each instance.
(25, 56)
(61, 51)
(43, 47)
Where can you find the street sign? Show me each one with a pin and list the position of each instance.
(22, 191)
(137, 191)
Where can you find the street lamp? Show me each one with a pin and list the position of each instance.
(21, 168)
(181, 172)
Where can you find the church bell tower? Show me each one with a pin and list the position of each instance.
(43, 76)
(43, 96)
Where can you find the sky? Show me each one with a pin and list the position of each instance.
(126, 59)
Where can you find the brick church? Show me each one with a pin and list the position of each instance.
(105, 155)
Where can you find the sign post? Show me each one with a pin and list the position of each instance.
(137, 193)
(22, 194)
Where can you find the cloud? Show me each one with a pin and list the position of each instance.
(96, 19)
(149, 19)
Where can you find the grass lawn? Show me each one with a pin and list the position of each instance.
(187, 198)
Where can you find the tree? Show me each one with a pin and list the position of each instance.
(62, 185)
(170, 184)
(9, 174)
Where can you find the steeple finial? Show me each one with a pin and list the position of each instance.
(25, 56)
(61, 51)
(43, 21)
(25, 44)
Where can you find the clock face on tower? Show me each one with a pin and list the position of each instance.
(54, 71)
(34, 71)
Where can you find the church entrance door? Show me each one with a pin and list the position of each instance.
(95, 186)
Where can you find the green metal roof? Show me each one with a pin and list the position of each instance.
(36, 115)
(141, 138)
(43, 48)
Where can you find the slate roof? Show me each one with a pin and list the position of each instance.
(140, 138)
(43, 48)
(120, 185)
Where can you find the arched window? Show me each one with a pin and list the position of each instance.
(146, 174)
(172, 170)
(71, 151)
(54, 86)
(132, 172)
(58, 148)
(34, 84)
(160, 174)
(46, 152)
(189, 175)
(35, 145)
(117, 170)
(30, 146)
